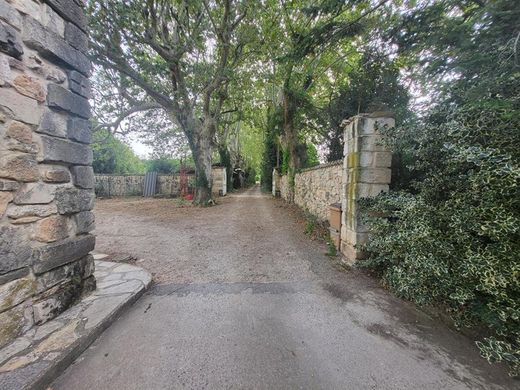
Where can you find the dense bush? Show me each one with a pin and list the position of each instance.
(112, 155)
(451, 232)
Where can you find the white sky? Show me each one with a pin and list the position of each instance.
(142, 150)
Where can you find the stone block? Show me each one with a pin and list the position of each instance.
(52, 304)
(76, 37)
(5, 198)
(17, 146)
(20, 132)
(62, 99)
(15, 292)
(81, 269)
(15, 250)
(52, 229)
(21, 107)
(29, 86)
(50, 72)
(59, 150)
(85, 222)
(55, 175)
(70, 11)
(79, 84)
(83, 176)
(79, 130)
(20, 167)
(9, 185)
(35, 193)
(10, 15)
(351, 253)
(50, 45)
(25, 220)
(382, 159)
(62, 252)
(13, 275)
(14, 322)
(5, 71)
(354, 237)
(53, 123)
(25, 211)
(52, 21)
(27, 7)
(356, 191)
(10, 42)
(71, 200)
(372, 143)
(369, 175)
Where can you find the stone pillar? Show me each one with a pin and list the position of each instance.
(46, 178)
(366, 173)
(276, 189)
(219, 178)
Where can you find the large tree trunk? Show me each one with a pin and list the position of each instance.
(202, 154)
(200, 139)
(291, 140)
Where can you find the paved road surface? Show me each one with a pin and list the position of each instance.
(254, 304)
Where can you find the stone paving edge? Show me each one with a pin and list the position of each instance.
(70, 353)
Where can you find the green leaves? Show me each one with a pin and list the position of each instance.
(451, 237)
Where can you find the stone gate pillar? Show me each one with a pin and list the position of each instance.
(276, 183)
(46, 178)
(366, 173)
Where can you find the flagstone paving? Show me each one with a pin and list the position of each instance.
(34, 360)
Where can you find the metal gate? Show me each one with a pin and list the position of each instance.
(150, 184)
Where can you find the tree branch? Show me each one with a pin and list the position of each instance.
(145, 106)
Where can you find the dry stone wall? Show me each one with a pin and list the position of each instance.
(315, 189)
(167, 185)
(46, 178)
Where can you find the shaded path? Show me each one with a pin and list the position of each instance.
(246, 301)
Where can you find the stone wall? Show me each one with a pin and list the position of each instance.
(46, 179)
(167, 185)
(315, 189)
(365, 171)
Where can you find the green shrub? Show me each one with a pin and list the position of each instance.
(455, 242)
(451, 235)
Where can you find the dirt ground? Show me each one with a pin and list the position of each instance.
(181, 243)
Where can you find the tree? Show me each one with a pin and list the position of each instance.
(113, 156)
(313, 44)
(177, 56)
(372, 84)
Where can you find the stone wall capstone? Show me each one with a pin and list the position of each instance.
(46, 179)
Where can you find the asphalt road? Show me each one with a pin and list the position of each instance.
(257, 305)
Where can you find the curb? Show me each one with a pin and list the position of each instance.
(41, 372)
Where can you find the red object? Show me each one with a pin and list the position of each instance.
(188, 197)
